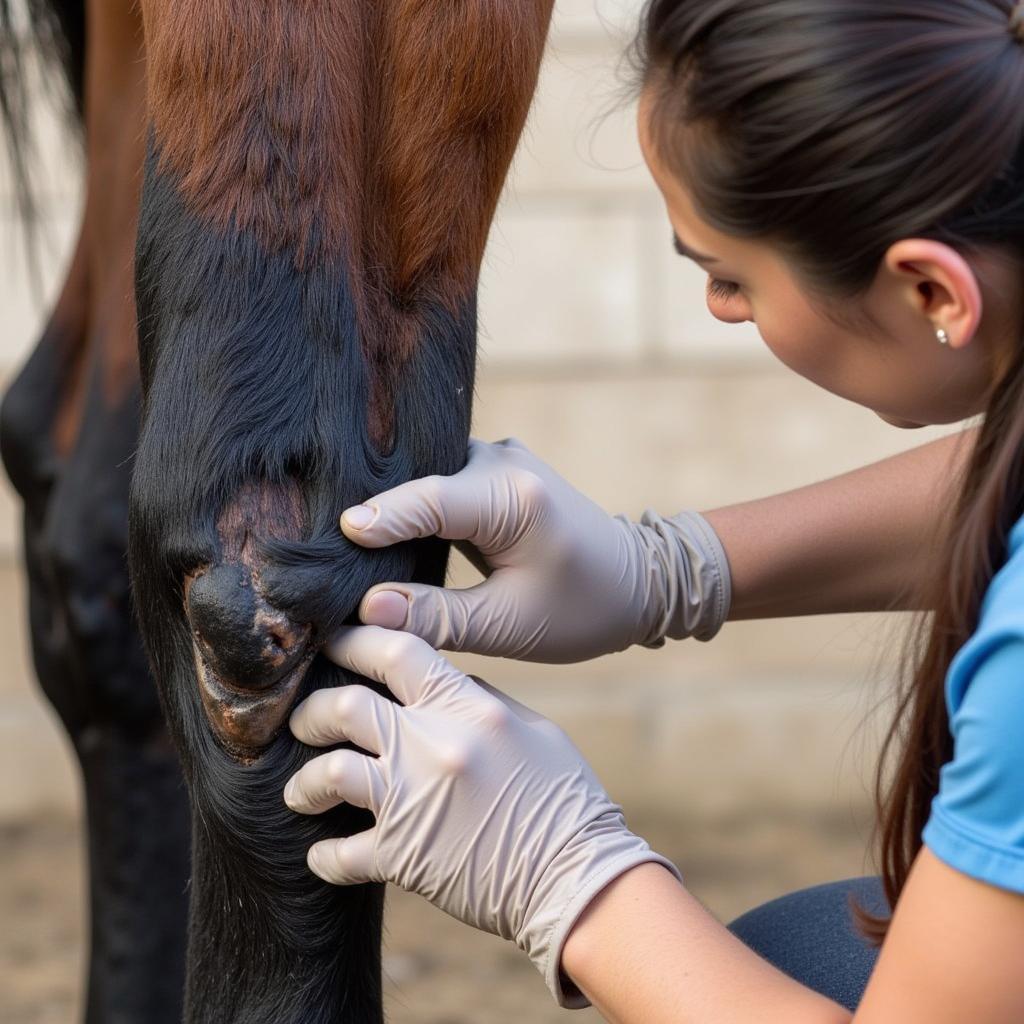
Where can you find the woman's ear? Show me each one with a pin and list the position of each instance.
(940, 286)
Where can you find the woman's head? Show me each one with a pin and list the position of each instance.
(857, 170)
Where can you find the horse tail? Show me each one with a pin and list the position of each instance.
(53, 32)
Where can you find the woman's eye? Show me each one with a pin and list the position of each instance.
(719, 289)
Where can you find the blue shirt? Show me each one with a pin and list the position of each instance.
(977, 817)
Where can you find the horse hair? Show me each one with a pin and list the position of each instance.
(318, 188)
(265, 380)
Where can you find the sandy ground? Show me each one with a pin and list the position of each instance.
(438, 971)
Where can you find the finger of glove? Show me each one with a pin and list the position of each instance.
(408, 666)
(451, 620)
(346, 861)
(342, 714)
(482, 503)
(341, 776)
(444, 506)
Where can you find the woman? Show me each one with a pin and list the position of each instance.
(851, 176)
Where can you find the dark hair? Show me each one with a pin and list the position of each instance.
(834, 130)
(53, 30)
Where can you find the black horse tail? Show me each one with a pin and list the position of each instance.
(52, 31)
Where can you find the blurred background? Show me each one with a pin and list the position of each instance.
(748, 760)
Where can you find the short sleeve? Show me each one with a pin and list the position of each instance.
(977, 817)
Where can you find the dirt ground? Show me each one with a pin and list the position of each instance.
(437, 970)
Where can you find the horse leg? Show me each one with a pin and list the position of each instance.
(319, 186)
(68, 430)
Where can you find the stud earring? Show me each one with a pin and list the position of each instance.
(942, 335)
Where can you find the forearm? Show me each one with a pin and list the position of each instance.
(858, 542)
(646, 951)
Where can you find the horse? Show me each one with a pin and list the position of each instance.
(270, 316)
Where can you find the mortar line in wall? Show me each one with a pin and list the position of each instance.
(602, 199)
(656, 364)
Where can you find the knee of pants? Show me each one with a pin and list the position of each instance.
(811, 935)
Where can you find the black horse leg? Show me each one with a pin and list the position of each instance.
(91, 668)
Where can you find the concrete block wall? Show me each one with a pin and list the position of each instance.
(598, 351)
(580, 266)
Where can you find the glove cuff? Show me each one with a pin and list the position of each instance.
(689, 585)
(592, 860)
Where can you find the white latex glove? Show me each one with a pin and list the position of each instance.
(567, 581)
(483, 806)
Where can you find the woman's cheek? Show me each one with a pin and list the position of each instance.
(785, 345)
(805, 351)
(841, 365)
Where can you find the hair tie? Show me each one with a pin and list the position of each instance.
(1017, 21)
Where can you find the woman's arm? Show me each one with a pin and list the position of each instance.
(567, 581)
(457, 773)
(952, 953)
(645, 950)
(858, 542)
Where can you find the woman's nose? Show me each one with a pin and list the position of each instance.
(244, 640)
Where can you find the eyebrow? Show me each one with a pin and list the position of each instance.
(685, 250)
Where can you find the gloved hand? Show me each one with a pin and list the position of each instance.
(483, 806)
(568, 581)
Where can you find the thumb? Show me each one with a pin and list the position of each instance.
(346, 861)
(450, 620)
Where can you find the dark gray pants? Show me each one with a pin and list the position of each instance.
(810, 935)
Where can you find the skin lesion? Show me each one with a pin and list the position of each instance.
(246, 722)
(250, 657)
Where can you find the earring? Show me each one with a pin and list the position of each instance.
(942, 335)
